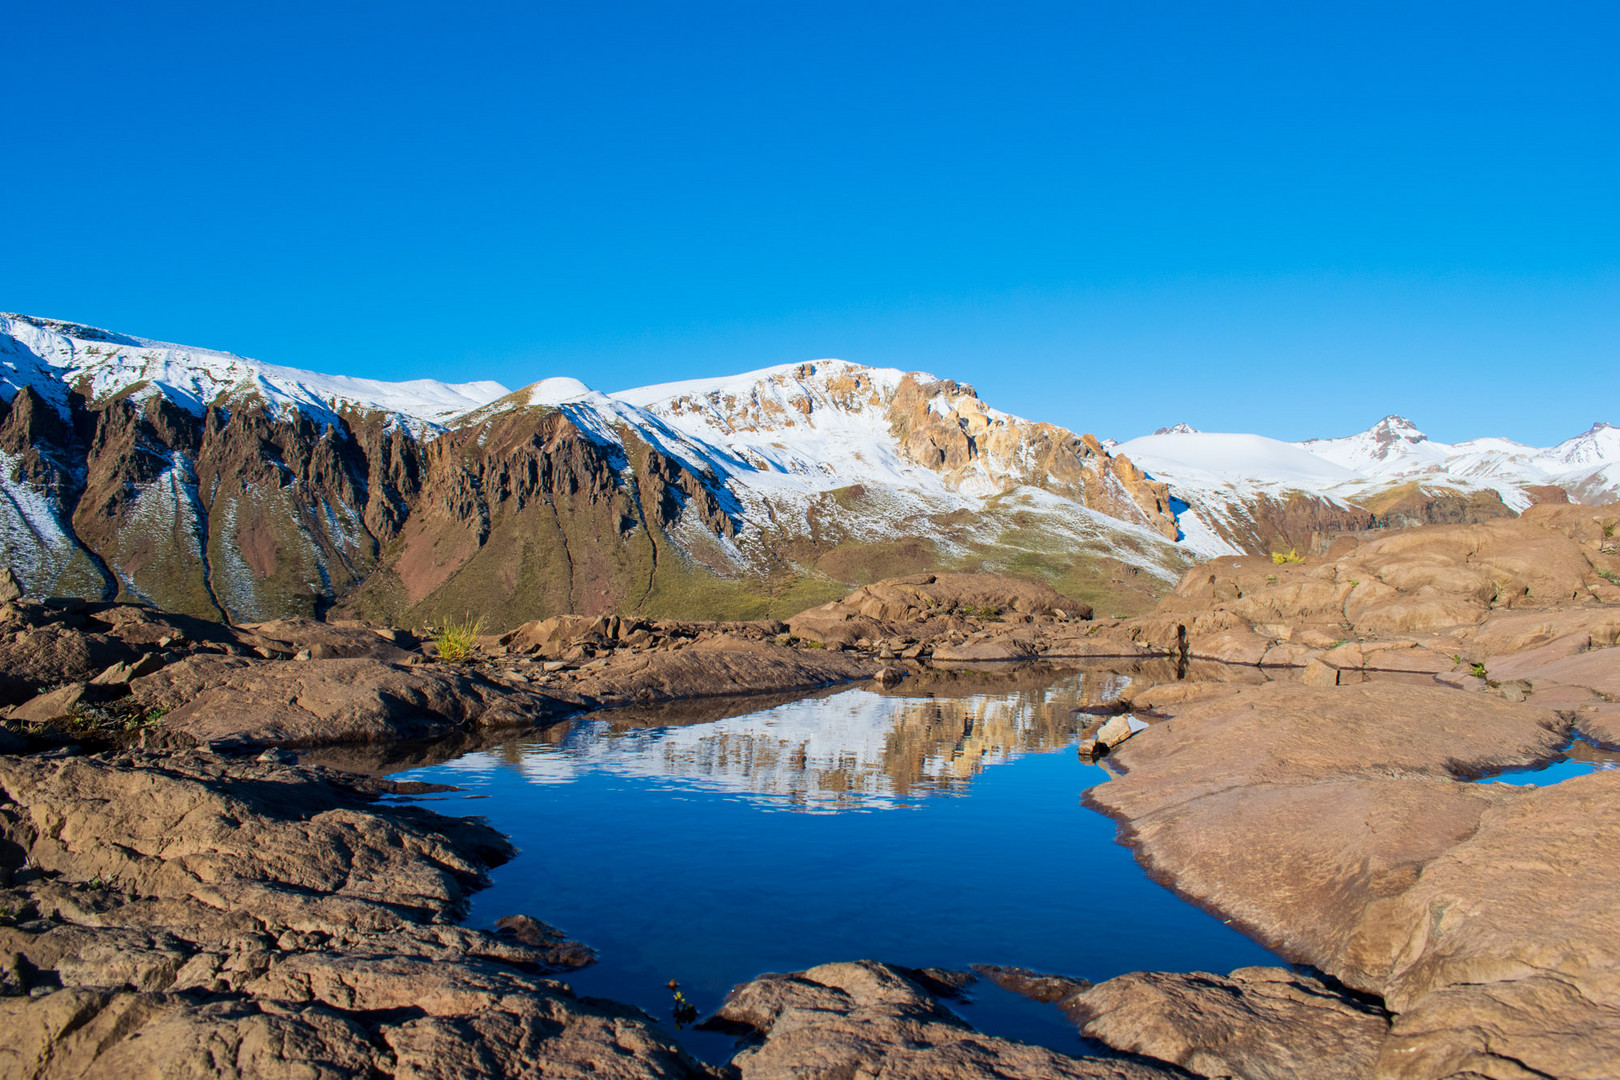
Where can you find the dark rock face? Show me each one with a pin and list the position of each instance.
(232, 514)
(186, 916)
(524, 513)
(246, 515)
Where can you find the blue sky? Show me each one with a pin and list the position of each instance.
(1282, 218)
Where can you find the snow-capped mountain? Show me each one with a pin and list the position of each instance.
(211, 483)
(1389, 474)
(55, 358)
(214, 484)
(1586, 466)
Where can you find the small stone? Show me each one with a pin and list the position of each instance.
(889, 676)
(1116, 731)
(554, 665)
(302, 654)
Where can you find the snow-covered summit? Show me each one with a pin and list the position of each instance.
(53, 357)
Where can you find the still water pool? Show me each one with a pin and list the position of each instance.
(931, 828)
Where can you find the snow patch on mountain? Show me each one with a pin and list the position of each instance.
(53, 357)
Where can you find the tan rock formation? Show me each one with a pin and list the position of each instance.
(871, 1019)
(184, 916)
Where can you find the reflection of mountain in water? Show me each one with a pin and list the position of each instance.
(848, 750)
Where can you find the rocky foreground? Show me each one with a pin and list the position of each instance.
(178, 896)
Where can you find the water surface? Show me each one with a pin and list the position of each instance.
(926, 828)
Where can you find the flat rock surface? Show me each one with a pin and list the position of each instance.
(251, 702)
(1260, 1023)
(714, 667)
(1333, 824)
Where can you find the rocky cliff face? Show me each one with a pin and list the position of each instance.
(523, 513)
(944, 426)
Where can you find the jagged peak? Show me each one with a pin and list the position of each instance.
(1394, 426)
(1182, 428)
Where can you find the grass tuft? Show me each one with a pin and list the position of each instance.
(456, 640)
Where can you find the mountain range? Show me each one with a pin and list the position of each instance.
(208, 483)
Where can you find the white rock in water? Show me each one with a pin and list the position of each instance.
(1116, 731)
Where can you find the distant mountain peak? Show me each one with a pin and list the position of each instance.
(1182, 428)
(1394, 427)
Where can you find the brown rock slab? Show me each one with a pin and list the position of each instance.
(1342, 837)
(717, 666)
(989, 649)
(866, 1019)
(1260, 1023)
(1601, 723)
(243, 702)
(56, 705)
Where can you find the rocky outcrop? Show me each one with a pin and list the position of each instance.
(189, 916)
(1404, 601)
(942, 425)
(237, 702)
(871, 1019)
(934, 610)
(1256, 1023)
(1345, 836)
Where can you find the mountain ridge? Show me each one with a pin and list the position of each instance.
(213, 484)
(219, 485)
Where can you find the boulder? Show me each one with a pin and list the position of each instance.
(1115, 731)
(1231, 647)
(984, 649)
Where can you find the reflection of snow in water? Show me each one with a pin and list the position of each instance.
(856, 749)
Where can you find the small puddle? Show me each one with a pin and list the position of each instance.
(1579, 758)
(930, 827)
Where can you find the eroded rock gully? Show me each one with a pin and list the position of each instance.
(1314, 728)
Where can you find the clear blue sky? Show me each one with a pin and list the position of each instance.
(1286, 218)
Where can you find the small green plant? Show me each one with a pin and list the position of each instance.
(1292, 555)
(813, 644)
(1354, 583)
(1608, 529)
(1477, 671)
(140, 721)
(456, 640)
(684, 1011)
(1271, 579)
(96, 883)
(1610, 576)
